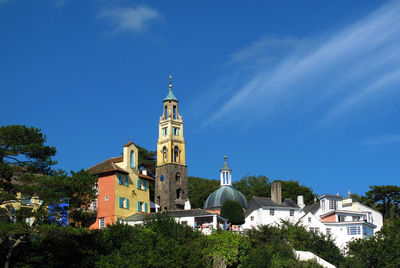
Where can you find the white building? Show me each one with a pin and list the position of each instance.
(270, 211)
(196, 218)
(341, 218)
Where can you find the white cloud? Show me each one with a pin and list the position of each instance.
(381, 140)
(330, 76)
(129, 19)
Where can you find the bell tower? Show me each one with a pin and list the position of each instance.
(171, 172)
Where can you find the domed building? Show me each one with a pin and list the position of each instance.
(225, 192)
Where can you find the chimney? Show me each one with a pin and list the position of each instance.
(276, 192)
(144, 172)
(300, 201)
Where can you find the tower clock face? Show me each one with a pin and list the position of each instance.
(162, 177)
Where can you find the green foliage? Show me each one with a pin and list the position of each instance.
(251, 186)
(158, 243)
(228, 246)
(261, 186)
(147, 160)
(381, 250)
(199, 189)
(56, 246)
(233, 212)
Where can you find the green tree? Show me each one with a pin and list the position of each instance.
(380, 250)
(233, 212)
(147, 160)
(199, 189)
(386, 199)
(261, 186)
(251, 186)
(26, 171)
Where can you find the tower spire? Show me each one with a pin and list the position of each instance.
(226, 177)
(170, 96)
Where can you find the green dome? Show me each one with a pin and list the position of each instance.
(224, 193)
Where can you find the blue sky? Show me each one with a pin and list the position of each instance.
(303, 90)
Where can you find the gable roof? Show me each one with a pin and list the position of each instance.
(259, 202)
(172, 213)
(146, 177)
(311, 208)
(107, 166)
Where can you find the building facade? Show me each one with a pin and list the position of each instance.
(121, 190)
(171, 189)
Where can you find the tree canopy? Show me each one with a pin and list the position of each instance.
(261, 186)
(233, 212)
(25, 172)
(147, 160)
(199, 189)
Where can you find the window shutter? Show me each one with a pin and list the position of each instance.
(121, 202)
(119, 179)
(145, 185)
(139, 207)
(127, 180)
(145, 207)
(127, 203)
(138, 184)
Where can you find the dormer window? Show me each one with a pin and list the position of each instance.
(132, 159)
(333, 204)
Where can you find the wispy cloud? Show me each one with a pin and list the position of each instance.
(381, 140)
(129, 19)
(330, 76)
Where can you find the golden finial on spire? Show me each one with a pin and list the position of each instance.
(170, 81)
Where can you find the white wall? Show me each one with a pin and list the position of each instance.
(262, 217)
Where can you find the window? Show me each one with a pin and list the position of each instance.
(309, 219)
(142, 206)
(174, 112)
(175, 131)
(291, 212)
(176, 154)
(342, 218)
(184, 222)
(123, 202)
(165, 112)
(314, 229)
(332, 204)
(272, 212)
(119, 178)
(164, 131)
(356, 218)
(132, 159)
(101, 223)
(106, 198)
(328, 231)
(94, 204)
(141, 185)
(165, 154)
(252, 218)
(323, 205)
(353, 230)
(127, 180)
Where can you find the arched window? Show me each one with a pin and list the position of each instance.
(176, 154)
(178, 178)
(132, 159)
(164, 154)
(179, 193)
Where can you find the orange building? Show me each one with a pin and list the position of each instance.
(122, 191)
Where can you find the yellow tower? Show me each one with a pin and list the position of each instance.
(171, 172)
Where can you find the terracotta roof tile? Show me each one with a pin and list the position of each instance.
(107, 166)
(146, 177)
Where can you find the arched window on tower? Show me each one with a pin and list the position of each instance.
(174, 112)
(132, 159)
(165, 112)
(178, 178)
(179, 193)
(176, 154)
(164, 151)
